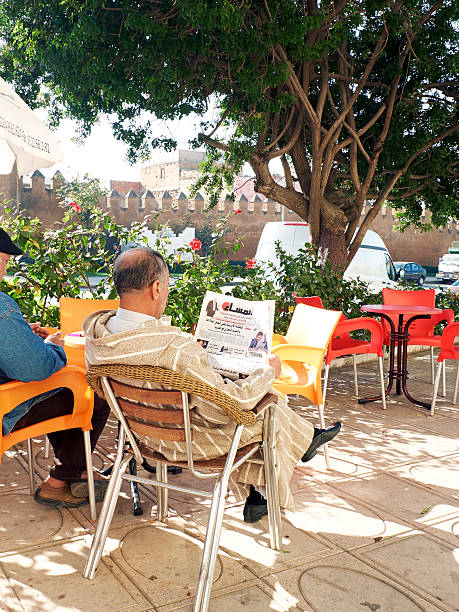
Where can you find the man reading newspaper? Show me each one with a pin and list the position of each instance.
(135, 335)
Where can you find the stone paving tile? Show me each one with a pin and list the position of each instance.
(440, 474)
(12, 473)
(447, 530)
(25, 524)
(257, 597)
(163, 562)
(379, 530)
(49, 579)
(401, 497)
(249, 543)
(424, 563)
(343, 583)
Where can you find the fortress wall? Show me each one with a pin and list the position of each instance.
(175, 208)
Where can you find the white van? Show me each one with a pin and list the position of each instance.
(371, 264)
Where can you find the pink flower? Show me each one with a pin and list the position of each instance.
(195, 244)
(76, 207)
(250, 263)
(238, 211)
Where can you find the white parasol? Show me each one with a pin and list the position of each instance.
(23, 136)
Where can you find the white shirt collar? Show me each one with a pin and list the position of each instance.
(132, 315)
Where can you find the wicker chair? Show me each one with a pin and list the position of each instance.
(165, 415)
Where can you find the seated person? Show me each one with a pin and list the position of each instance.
(135, 335)
(30, 353)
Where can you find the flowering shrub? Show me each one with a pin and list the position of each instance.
(195, 244)
(63, 261)
(203, 273)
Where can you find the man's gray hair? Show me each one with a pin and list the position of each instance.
(136, 269)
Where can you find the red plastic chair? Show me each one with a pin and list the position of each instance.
(448, 350)
(343, 344)
(422, 330)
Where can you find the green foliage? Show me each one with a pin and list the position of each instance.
(64, 260)
(208, 272)
(207, 234)
(447, 299)
(288, 78)
(304, 274)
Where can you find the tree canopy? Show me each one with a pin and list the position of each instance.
(357, 98)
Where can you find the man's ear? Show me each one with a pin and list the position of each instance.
(155, 289)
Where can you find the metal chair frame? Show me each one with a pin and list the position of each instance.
(214, 527)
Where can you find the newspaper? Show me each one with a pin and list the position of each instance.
(237, 334)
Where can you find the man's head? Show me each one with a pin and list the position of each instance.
(142, 281)
(7, 249)
(259, 336)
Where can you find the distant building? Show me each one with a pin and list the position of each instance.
(176, 171)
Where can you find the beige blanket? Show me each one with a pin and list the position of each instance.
(154, 343)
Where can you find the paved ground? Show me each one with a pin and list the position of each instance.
(378, 532)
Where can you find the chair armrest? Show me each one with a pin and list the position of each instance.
(361, 323)
(311, 355)
(269, 398)
(15, 392)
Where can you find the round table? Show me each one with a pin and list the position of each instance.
(399, 338)
(74, 345)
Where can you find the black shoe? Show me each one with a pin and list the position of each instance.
(254, 512)
(321, 436)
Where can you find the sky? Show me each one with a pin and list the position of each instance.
(102, 156)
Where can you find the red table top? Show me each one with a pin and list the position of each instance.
(394, 309)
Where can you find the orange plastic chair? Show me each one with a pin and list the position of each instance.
(15, 392)
(73, 311)
(302, 352)
(421, 331)
(448, 350)
(343, 344)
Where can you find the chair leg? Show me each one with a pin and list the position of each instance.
(325, 385)
(444, 378)
(162, 492)
(432, 367)
(209, 553)
(322, 424)
(271, 478)
(381, 378)
(106, 516)
(90, 475)
(456, 385)
(356, 381)
(46, 447)
(30, 466)
(136, 507)
(214, 528)
(435, 392)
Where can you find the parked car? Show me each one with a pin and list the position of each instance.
(410, 272)
(454, 288)
(371, 264)
(448, 266)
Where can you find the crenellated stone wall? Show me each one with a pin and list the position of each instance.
(39, 199)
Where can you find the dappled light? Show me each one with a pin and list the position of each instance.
(379, 528)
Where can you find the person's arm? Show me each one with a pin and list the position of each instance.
(25, 356)
(190, 358)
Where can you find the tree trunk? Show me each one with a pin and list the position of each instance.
(334, 247)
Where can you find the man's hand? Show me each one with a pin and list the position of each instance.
(40, 331)
(56, 339)
(275, 363)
